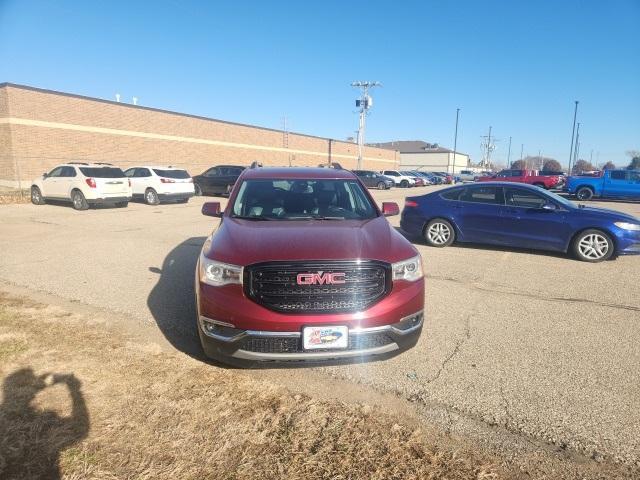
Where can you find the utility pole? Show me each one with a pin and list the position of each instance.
(487, 147)
(573, 131)
(577, 146)
(539, 159)
(365, 102)
(455, 144)
(509, 154)
(521, 152)
(285, 137)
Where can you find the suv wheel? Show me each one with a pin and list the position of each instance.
(197, 189)
(404, 184)
(381, 186)
(78, 200)
(439, 233)
(584, 194)
(151, 197)
(593, 246)
(36, 196)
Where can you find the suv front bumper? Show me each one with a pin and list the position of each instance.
(222, 342)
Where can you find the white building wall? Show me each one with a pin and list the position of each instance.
(435, 161)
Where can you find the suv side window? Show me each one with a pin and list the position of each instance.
(392, 173)
(212, 172)
(130, 172)
(505, 173)
(142, 172)
(56, 172)
(618, 175)
(523, 198)
(68, 172)
(491, 195)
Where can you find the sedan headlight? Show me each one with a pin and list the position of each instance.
(628, 226)
(410, 270)
(218, 273)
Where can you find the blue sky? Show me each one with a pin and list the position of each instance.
(517, 66)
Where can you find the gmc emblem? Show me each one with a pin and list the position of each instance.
(320, 278)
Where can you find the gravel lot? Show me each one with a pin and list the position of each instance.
(524, 352)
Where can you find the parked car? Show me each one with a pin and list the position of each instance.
(519, 215)
(373, 179)
(329, 279)
(447, 177)
(468, 176)
(611, 184)
(524, 176)
(160, 184)
(425, 177)
(419, 181)
(399, 179)
(217, 180)
(435, 179)
(82, 184)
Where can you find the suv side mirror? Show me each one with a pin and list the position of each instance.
(45, 175)
(211, 209)
(390, 209)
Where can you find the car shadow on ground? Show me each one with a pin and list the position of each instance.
(482, 246)
(171, 302)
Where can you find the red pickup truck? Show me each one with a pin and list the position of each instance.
(524, 176)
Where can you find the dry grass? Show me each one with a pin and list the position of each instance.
(10, 197)
(151, 414)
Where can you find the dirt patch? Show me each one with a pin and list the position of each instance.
(86, 402)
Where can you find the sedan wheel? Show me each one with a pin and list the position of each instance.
(593, 246)
(439, 233)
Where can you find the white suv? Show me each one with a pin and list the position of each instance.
(157, 184)
(399, 179)
(83, 184)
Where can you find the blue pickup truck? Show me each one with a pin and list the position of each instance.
(610, 184)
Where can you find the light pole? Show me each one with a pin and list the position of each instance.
(573, 132)
(509, 154)
(455, 146)
(364, 103)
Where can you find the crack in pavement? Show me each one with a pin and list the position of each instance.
(456, 348)
(538, 296)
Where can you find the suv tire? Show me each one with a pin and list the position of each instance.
(151, 197)
(382, 186)
(584, 194)
(78, 200)
(36, 196)
(197, 190)
(404, 184)
(439, 233)
(593, 246)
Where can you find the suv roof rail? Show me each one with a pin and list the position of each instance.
(335, 165)
(103, 163)
(255, 164)
(77, 163)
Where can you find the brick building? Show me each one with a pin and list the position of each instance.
(41, 128)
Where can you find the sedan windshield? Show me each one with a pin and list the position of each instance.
(289, 199)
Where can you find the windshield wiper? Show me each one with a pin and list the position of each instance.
(249, 217)
(314, 217)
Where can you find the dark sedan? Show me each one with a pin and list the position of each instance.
(519, 215)
(373, 179)
(217, 180)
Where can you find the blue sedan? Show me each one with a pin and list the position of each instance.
(520, 215)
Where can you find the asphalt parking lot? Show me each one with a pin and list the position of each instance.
(529, 344)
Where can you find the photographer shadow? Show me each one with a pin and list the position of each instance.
(33, 439)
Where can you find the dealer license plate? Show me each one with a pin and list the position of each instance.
(317, 338)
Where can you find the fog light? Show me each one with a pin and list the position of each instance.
(220, 331)
(409, 323)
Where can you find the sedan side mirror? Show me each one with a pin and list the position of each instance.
(211, 209)
(390, 208)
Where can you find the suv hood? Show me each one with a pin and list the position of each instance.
(243, 242)
(607, 214)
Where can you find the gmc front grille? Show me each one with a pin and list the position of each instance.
(275, 285)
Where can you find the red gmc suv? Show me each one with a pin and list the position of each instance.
(304, 267)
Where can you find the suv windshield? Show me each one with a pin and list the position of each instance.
(102, 172)
(302, 199)
(178, 174)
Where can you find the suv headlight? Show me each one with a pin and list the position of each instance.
(218, 273)
(410, 270)
(628, 226)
